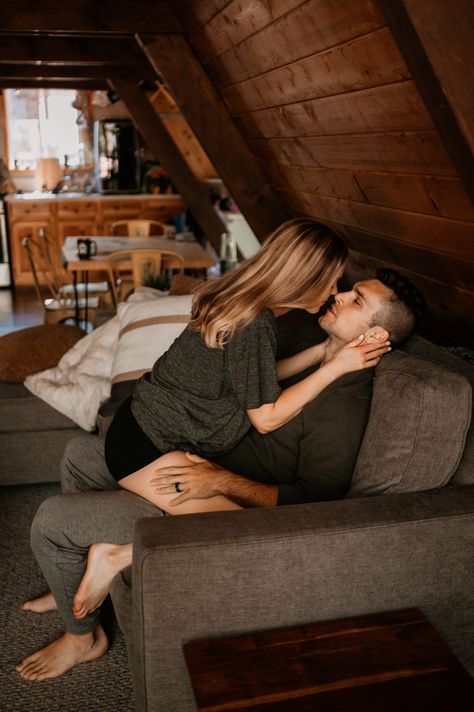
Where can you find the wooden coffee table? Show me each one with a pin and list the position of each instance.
(389, 662)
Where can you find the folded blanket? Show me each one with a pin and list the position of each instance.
(80, 383)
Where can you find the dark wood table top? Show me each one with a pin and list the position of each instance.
(388, 662)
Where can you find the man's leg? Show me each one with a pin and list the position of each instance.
(83, 469)
(83, 466)
(63, 530)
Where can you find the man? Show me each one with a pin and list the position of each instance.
(309, 459)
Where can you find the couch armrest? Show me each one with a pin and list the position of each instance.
(210, 575)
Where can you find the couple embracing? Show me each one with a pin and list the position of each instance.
(210, 428)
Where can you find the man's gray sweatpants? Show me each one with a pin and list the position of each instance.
(92, 509)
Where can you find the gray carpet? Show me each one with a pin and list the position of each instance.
(100, 686)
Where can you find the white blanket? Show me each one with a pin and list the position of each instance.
(80, 383)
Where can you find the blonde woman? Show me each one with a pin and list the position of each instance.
(219, 378)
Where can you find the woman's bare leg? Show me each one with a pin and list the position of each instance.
(106, 560)
(139, 483)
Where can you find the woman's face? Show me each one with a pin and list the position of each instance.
(314, 304)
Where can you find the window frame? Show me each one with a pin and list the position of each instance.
(6, 144)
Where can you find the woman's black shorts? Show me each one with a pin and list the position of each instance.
(127, 448)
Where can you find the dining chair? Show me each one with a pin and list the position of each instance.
(138, 228)
(54, 288)
(145, 267)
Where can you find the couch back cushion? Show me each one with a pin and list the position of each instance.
(419, 419)
(418, 346)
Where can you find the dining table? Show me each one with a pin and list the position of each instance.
(195, 256)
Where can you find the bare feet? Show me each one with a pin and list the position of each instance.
(42, 604)
(103, 563)
(65, 653)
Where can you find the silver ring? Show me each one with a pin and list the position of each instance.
(177, 487)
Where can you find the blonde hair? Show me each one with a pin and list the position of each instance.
(296, 264)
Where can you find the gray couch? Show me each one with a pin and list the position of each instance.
(210, 575)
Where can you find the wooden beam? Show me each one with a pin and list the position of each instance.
(399, 21)
(89, 71)
(216, 131)
(194, 193)
(12, 83)
(87, 16)
(69, 50)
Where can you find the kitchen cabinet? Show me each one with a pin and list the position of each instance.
(63, 216)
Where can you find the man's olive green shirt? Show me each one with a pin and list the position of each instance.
(312, 457)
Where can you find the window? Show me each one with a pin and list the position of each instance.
(42, 123)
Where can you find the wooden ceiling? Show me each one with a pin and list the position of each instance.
(359, 114)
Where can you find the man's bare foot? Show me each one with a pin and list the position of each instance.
(65, 653)
(103, 563)
(42, 604)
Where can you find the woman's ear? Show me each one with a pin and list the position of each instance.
(376, 335)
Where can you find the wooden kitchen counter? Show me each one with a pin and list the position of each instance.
(76, 214)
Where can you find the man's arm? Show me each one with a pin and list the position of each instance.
(202, 479)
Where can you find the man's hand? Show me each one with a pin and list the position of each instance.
(198, 480)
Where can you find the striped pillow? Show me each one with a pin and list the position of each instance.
(147, 330)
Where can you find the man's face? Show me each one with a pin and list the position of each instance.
(352, 312)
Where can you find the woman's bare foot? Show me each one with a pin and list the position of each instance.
(103, 563)
(65, 653)
(42, 604)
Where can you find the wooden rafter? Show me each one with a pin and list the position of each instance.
(15, 83)
(60, 49)
(398, 19)
(106, 16)
(89, 71)
(215, 129)
(194, 193)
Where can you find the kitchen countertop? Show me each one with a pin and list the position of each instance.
(39, 195)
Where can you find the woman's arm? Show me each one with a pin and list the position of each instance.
(287, 367)
(352, 357)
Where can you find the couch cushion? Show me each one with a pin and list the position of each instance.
(34, 349)
(21, 412)
(418, 346)
(416, 434)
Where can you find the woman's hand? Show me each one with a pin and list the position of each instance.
(357, 355)
(198, 480)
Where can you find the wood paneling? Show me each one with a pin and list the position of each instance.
(237, 21)
(310, 28)
(450, 237)
(395, 107)
(194, 15)
(433, 195)
(371, 60)
(402, 152)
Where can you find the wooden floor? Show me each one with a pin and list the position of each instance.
(19, 308)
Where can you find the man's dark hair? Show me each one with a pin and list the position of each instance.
(400, 314)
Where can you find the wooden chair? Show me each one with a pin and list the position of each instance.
(146, 268)
(138, 228)
(62, 277)
(54, 288)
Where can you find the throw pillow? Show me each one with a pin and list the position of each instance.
(146, 330)
(415, 437)
(34, 349)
